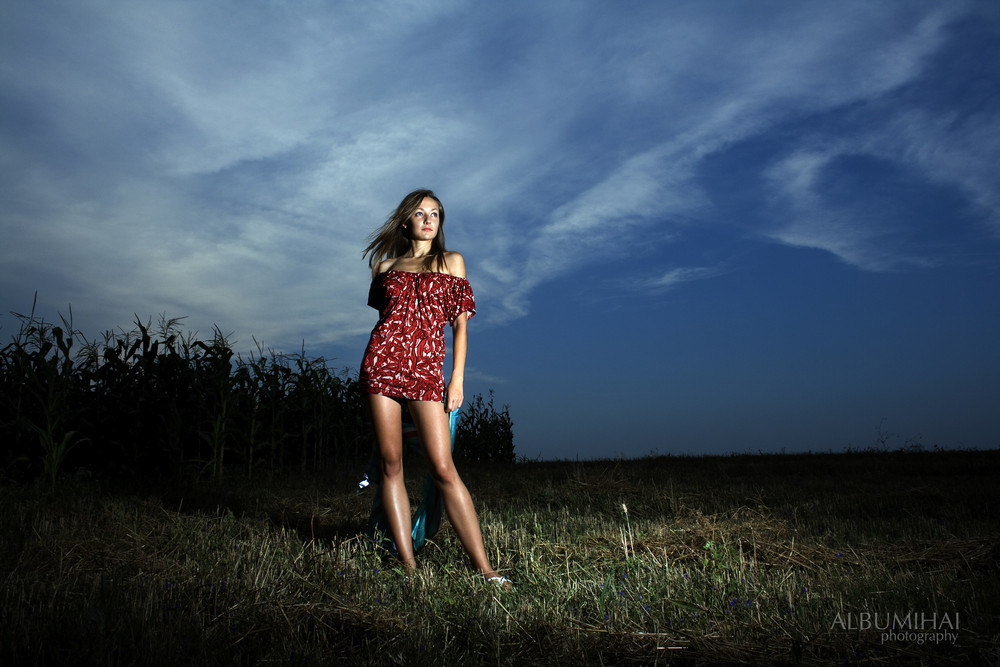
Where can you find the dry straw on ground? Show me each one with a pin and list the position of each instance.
(659, 561)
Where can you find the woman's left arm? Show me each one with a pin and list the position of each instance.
(460, 340)
(460, 335)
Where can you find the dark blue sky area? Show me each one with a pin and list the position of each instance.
(793, 350)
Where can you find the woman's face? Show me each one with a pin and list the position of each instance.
(425, 222)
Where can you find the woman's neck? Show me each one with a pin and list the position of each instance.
(419, 249)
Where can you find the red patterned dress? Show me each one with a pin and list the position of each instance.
(406, 350)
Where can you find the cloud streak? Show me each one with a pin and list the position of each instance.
(227, 163)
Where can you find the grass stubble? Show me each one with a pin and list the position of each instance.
(668, 560)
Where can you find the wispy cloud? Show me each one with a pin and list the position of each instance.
(800, 64)
(676, 277)
(227, 162)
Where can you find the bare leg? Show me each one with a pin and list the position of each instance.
(432, 422)
(387, 418)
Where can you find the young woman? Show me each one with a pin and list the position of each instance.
(418, 287)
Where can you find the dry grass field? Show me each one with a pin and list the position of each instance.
(868, 557)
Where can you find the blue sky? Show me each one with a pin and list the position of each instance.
(692, 227)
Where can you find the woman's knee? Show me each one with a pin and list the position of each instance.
(445, 473)
(392, 467)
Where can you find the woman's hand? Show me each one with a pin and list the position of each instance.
(455, 394)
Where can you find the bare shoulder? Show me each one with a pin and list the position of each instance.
(454, 264)
(383, 266)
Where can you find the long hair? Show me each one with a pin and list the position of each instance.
(391, 239)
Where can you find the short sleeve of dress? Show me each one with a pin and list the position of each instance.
(462, 300)
(376, 294)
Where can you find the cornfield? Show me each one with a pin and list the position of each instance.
(152, 401)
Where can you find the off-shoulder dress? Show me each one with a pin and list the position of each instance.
(406, 350)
